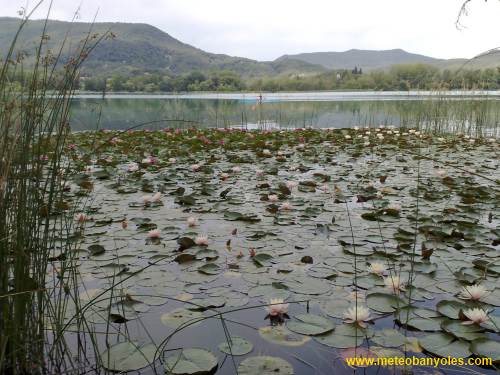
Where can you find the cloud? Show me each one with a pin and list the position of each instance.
(267, 29)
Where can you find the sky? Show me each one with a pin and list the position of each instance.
(266, 29)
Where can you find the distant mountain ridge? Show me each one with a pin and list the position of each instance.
(141, 48)
(365, 59)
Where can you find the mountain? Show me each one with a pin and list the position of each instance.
(138, 48)
(370, 60)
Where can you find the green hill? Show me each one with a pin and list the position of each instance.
(139, 48)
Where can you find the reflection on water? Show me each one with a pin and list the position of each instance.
(477, 116)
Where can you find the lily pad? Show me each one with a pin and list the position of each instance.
(238, 346)
(128, 356)
(310, 324)
(384, 303)
(486, 348)
(193, 361)
(180, 316)
(265, 365)
(280, 335)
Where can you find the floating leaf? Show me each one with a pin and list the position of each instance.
(193, 361)
(128, 356)
(237, 346)
(310, 324)
(384, 303)
(389, 338)
(486, 348)
(180, 316)
(265, 365)
(282, 336)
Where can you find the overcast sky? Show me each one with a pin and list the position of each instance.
(267, 29)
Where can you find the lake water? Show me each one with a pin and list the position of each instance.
(477, 113)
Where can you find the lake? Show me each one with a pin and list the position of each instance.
(476, 113)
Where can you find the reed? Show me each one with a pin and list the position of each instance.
(37, 270)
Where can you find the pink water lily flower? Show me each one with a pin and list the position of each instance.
(277, 307)
(201, 240)
(272, 198)
(154, 234)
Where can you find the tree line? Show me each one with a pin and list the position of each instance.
(399, 77)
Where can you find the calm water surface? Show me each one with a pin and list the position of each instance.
(477, 113)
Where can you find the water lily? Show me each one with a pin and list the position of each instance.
(259, 172)
(224, 176)
(81, 218)
(357, 315)
(191, 221)
(394, 283)
(266, 152)
(151, 160)
(441, 172)
(377, 268)
(236, 169)
(277, 307)
(473, 292)
(147, 199)
(132, 167)
(172, 160)
(155, 233)
(292, 184)
(475, 316)
(195, 167)
(272, 198)
(286, 206)
(201, 240)
(394, 207)
(347, 136)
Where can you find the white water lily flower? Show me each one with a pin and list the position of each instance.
(291, 184)
(259, 172)
(132, 167)
(377, 268)
(394, 207)
(146, 199)
(236, 169)
(286, 206)
(201, 240)
(475, 316)
(277, 307)
(266, 152)
(272, 198)
(358, 315)
(394, 283)
(473, 292)
(195, 167)
(192, 221)
(172, 160)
